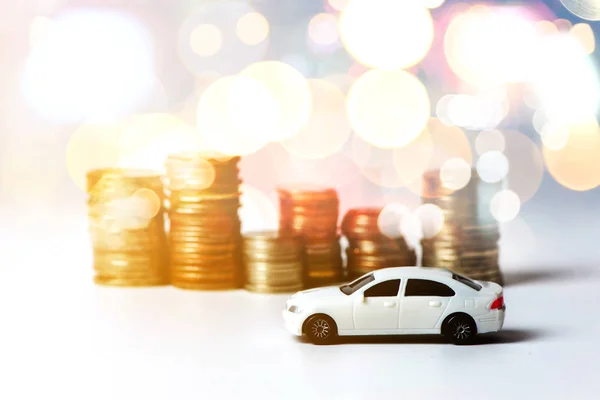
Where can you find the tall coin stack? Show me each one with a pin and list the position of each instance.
(127, 229)
(468, 241)
(203, 199)
(369, 249)
(311, 212)
(273, 262)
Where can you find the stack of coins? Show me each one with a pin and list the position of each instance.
(203, 199)
(369, 249)
(127, 229)
(311, 212)
(273, 262)
(468, 241)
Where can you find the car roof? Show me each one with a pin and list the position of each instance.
(414, 272)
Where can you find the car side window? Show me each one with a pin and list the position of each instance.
(424, 287)
(384, 289)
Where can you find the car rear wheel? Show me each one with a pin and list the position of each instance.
(320, 329)
(460, 329)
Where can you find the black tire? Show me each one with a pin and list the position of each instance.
(320, 329)
(460, 329)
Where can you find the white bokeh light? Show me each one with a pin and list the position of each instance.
(492, 166)
(82, 70)
(505, 206)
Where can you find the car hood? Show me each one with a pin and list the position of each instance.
(318, 293)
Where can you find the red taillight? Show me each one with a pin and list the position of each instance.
(498, 303)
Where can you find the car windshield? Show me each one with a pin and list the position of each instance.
(467, 281)
(357, 284)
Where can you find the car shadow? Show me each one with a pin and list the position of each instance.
(502, 337)
(515, 277)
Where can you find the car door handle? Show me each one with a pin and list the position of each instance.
(435, 303)
(389, 304)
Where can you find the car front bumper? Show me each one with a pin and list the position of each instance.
(293, 322)
(492, 321)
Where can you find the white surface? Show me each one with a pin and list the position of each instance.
(358, 314)
(62, 336)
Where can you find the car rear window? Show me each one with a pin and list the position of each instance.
(467, 281)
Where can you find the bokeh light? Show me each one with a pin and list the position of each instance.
(93, 146)
(290, 91)
(252, 28)
(505, 205)
(482, 111)
(148, 139)
(480, 49)
(526, 165)
(455, 173)
(206, 40)
(148, 203)
(388, 108)
(323, 29)
(447, 142)
(242, 38)
(71, 75)
(237, 115)
(370, 29)
(584, 35)
(431, 219)
(375, 163)
(39, 30)
(327, 128)
(492, 166)
(565, 79)
(491, 140)
(258, 212)
(577, 165)
(412, 160)
(390, 219)
(338, 5)
(555, 135)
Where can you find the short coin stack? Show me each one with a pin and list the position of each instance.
(468, 241)
(369, 249)
(312, 212)
(127, 227)
(203, 199)
(273, 262)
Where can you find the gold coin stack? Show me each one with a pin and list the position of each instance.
(273, 262)
(127, 229)
(468, 241)
(311, 212)
(203, 199)
(369, 249)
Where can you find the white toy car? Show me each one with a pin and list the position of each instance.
(396, 301)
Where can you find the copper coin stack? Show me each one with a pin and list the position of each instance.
(368, 248)
(273, 262)
(203, 199)
(468, 241)
(127, 229)
(311, 212)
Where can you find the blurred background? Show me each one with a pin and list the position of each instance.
(360, 95)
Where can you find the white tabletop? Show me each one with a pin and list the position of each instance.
(61, 335)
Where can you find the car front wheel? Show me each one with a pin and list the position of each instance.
(461, 329)
(320, 329)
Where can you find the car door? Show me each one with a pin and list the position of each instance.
(377, 309)
(423, 303)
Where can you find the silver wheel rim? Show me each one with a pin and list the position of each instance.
(462, 331)
(320, 329)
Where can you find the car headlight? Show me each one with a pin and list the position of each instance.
(295, 309)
